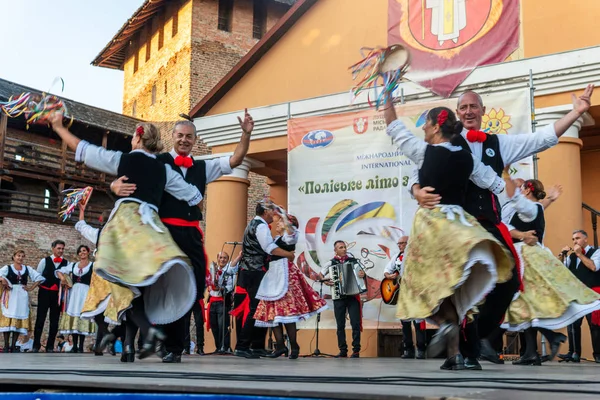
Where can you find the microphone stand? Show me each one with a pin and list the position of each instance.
(317, 352)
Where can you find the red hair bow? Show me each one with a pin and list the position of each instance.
(139, 130)
(530, 186)
(476, 136)
(442, 117)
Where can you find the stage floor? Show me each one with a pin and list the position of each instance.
(325, 378)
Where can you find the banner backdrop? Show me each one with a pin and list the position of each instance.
(447, 39)
(346, 181)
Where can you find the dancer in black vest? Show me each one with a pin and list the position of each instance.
(496, 151)
(14, 313)
(183, 221)
(257, 246)
(48, 296)
(553, 297)
(350, 304)
(135, 250)
(80, 274)
(584, 263)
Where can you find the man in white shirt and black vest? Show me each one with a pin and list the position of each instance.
(584, 263)
(257, 246)
(183, 221)
(393, 271)
(497, 151)
(350, 304)
(48, 296)
(222, 276)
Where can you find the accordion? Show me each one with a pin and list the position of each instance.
(345, 280)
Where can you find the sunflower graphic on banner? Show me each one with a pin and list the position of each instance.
(449, 38)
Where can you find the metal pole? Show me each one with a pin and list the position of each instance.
(401, 95)
(533, 121)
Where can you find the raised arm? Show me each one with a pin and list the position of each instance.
(581, 105)
(412, 147)
(56, 120)
(553, 194)
(87, 231)
(242, 147)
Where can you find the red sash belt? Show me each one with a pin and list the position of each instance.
(596, 314)
(509, 242)
(53, 288)
(211, 300)
(243, 309)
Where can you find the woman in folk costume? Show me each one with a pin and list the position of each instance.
(135, 249)
(99, 305)
(285, 296)
(451, 262)
(75, 278)
(553, 297)
(15, 315)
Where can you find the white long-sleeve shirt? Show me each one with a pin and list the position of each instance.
(414, 148)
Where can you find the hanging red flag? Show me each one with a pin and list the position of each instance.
(449, 38)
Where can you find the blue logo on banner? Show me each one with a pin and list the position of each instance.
(316, 139)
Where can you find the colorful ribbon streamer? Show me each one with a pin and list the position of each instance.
(74, 197)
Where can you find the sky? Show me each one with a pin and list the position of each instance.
(43, 39)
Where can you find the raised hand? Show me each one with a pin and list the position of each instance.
(554, 192)
(247, 124)
(583, 103)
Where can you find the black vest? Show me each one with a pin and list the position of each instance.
(85, 279)
(49, 270)
(254, 257)
(538, 224)
(283, 245)
(147, 173)
(15, 279)
(587, 277)
(448, 172)
(170, 207)
(481, 203)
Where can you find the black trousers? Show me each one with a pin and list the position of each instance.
(492, 312)
(198, 311)
(574, 331)
(352, 305)
(407, 336)
(219, 323)
(248, 335)
(47, 300)
(190, 241)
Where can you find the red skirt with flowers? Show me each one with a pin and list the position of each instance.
(300, 302)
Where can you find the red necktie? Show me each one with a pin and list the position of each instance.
(476, 136)
(57, 260)
(185, 162)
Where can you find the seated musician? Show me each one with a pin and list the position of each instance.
(352, 304)
(392, 271)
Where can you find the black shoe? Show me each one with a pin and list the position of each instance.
(149, 346)
(260, 352)
(529, 360)
(555, 345)
(128, 355)
(408, 354)
(488, 353)
(200, 351)
(74, 350)
(355, 354)
(35, 350)
(454, 363)
(245, 354)
(172, 358)
(49, 351)
(342, 354)
(294, 353)
(161, 351)
(278, 353)
(186, 352)
(108, 340)
(472, 364)
(597, 359)
(421, 355)
(6, 350)
(566, 356)
(575, 358)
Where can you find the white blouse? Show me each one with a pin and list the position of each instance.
(34, 276)
(107, 161)
(414, 148)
